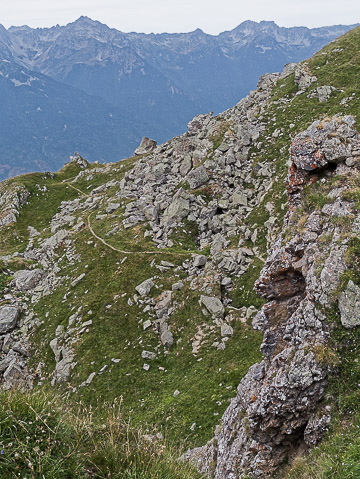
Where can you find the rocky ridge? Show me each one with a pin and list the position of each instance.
(197, 180)
(279, 402)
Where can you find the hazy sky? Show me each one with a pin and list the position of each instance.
(213, 16)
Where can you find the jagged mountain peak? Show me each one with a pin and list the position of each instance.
(198, 32)
(86, 22)
(19, 28)
(250, 26)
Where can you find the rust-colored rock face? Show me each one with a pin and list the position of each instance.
(323, 143)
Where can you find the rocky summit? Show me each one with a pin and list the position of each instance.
(206, 287)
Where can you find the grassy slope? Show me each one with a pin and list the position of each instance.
(148, 394)
(205, 386)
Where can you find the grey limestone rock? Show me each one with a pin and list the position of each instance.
(79, 160)
(186, 165)
(10, 202)
(64, 366)
(303, 77)
(146, 324)
(78, 279)
(324, 142)
(33, 232)
(324, 93)
(8, 318)
(145, 287)
(213, 306)
(146, 146)
(167, 339)
(178, 209)
(199, 261)
(55, 349)
(349, 305)
(88, 380)
(239, 199)
(13, 376)
(226, 330)
(163, 304)
(27, 279)
(334, 266)
(112, 207)
(317, 426)
(177, 286)
(198, 122)
(197, 177)
(55, 240)
(148, 355)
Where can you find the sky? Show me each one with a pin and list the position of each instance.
(212, 16)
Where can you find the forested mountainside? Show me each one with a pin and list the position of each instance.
(89, 88)
(128, 292)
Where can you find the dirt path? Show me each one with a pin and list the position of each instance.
(77, 189)
(132, 252)
(117, 249)
(190, 253)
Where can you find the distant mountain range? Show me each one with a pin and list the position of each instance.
(90, 88)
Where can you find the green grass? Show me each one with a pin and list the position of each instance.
(40, 207)
(40, 438)
(117, 333)
(4, 279)
(243, 293)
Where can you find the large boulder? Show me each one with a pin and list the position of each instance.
(213, 306)
(303, 77)
(197, 177)
(199, 122)
(324, 92)
(325, 142)
(64, 366)
(145, 287)
(167, 339)
(27, 279)
(8, 318)
(178, 209)
(163, 304)
(79, 160)
(13, 376)
(146, 146)
(11, 199)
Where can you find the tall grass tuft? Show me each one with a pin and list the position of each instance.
(42, 439)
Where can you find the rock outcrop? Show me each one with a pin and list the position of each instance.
(146, 146)
(278, 407)
(10, 201)
(349, 305)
